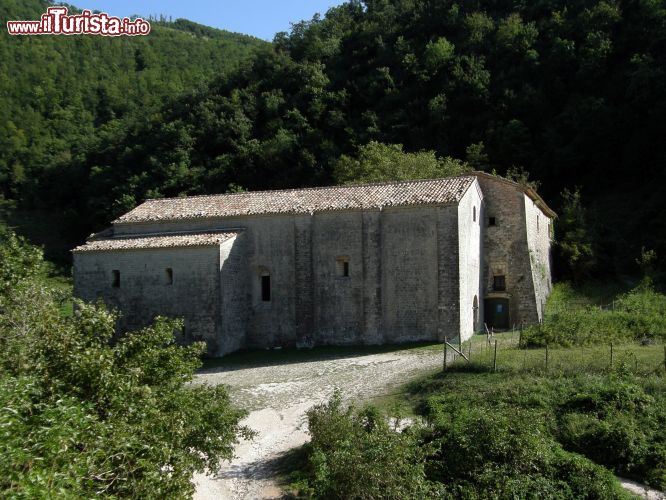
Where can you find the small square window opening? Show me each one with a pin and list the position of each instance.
(499, 283)
(342, 267)
(492, 221)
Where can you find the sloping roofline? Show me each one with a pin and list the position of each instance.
(529, 191)
(441, 191)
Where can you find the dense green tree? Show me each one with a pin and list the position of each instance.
(84, 412)
(377, 162)
(573, 93)
(574, 242)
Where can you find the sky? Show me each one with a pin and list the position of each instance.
(260, 18)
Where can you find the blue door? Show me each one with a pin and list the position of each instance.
(497, 313)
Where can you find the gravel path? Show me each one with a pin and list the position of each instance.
(278, 395)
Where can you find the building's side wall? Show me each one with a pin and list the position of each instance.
(470, 223)
(373, 326)
(448, 274)
(234, 296)
(271, 250)
(538, 227)
(144, 291)
(403, 283)
(409, 274)
(338, 300)
(506, 250)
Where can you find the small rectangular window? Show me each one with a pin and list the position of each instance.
(266, 288)
(499, 283)
(169, 276)
(492, 221)
(342, 267)
(116, 278)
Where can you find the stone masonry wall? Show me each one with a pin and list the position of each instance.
(506, 251)
(403, 283)
(470, 226)
(234, 296)
(515, 248)
(539, 227)
(409, 274)
(145, 292)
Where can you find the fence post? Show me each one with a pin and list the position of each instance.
(665, 357)
(444, 365)
(546, 357)
(611, 360)
(495, 358)
(469, 354)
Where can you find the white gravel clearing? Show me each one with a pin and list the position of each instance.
(641, 490)
(278, 395)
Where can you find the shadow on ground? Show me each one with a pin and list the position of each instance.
(272, 357)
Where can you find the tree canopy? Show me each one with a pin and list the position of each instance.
(571, 92)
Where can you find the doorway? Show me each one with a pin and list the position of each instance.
(497, 313)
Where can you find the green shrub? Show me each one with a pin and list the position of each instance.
(616, 423)
(19, 261)
(634, 316)
(511, 454)
(355, 454)
(84, 415)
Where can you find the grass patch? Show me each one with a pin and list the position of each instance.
(573, 318)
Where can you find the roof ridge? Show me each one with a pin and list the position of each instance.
(315, 188)
(443, 190)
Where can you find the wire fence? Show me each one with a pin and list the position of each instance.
(501, 352)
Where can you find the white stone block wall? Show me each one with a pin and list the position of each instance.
(471, 224)
(145, 292)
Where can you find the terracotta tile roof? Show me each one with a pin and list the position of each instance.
(366, 196)
(165, 241)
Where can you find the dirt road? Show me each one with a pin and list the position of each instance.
(278, 389)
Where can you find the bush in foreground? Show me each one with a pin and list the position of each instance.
(355, 454)
(464, 452)
(82, 415)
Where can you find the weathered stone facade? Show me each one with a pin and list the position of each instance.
(385, 263)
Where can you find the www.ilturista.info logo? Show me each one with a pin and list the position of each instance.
(57, 22)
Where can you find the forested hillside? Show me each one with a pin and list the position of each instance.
(58, 93)
(572, 91)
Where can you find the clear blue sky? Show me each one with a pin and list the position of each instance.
(261, 18)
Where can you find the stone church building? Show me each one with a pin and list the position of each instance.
(362, 264)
